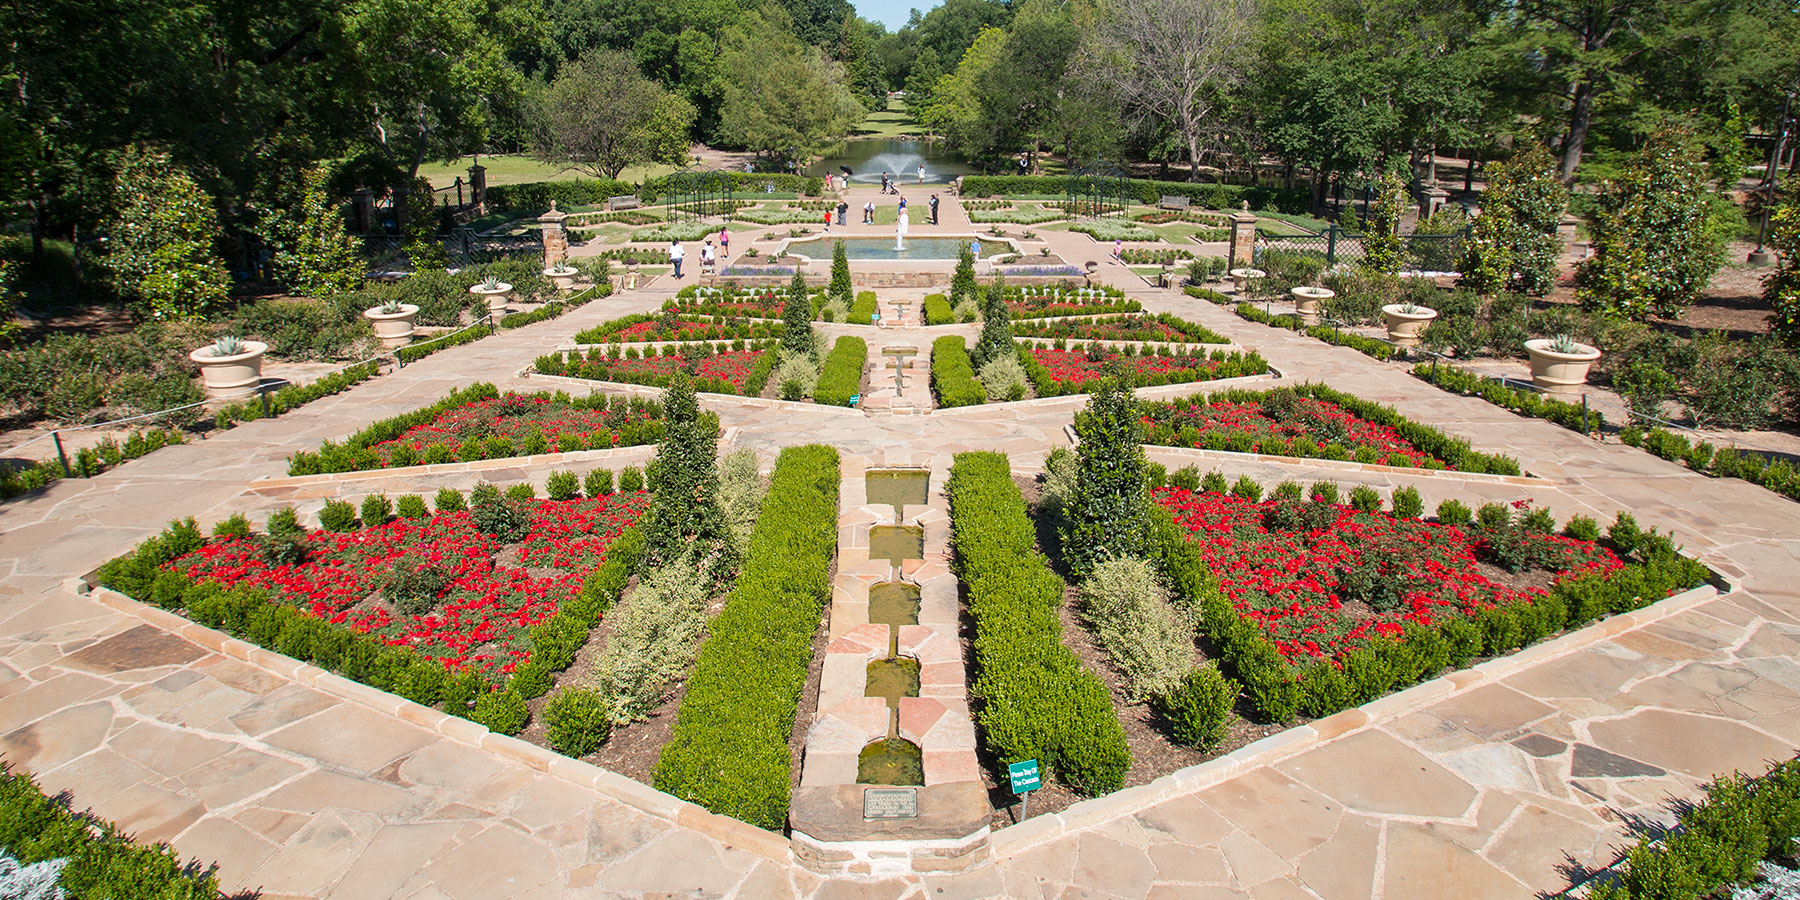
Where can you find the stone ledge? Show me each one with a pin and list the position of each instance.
(1336, 465)
(456, 468)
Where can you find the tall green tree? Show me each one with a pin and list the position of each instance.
(162, 247)
(1656, 243)
(1513, 244)
(1781, 290)
(996, 326)
(1107, 515)
(796, 320)
(782, 97)
(685, 524)
(601, 115)
(314, 253)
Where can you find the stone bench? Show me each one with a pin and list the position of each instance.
(626, 201)
(1172, 202)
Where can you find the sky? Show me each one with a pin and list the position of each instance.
(892, 13)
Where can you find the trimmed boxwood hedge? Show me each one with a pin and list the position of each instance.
(102, 860)
(1777, 475)
(86, 462)
(250, 614)
(1207, 194)
(1279, 690)
(1450, 450)
(1367, 346)
(729, 750)
(863, 310)
(938, 311)
(1036, 699)
(840, 378)
(953, 375)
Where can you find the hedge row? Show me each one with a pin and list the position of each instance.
(1279, 690)
(1458, 380)
(1718, 841)
(729, 750)
(87, 462)
(1450, 450)
(252, 615)
(100, 861)
(1146, 191)
(953, 375)
(414, 352)
(1233, 364)
(1037, 701)
(938, 310)
(556, 307)
(840, 378)
(1367, 346)
(1070, 328)
(863, 310)
(605, 331)
(1777, 475)
(295, 396)
(535, 196)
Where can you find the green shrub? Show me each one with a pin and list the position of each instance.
(953, 375)
(1324, 491)
(1003, 378)
(376, 510)
(840, 377)
(1129, 613)
(1365, 499)
(729, 750)
(448, 500)
(503, 712)
(1037, 702)
(863, 310)
(1656, 243)
(631, 480)
(338, 516)
(1407, 504)
(1453, 512)
(1582, 528)
(577, 722)
(655, 633)
(1248, 488)
(1199, 707)
(1104, 518)
(235, 526)
(598, 483)
(562, 486)
(521, 492)
(938, 310)
(411, 506)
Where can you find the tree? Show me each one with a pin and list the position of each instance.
(840, 289)
(1383, 248)
(684, 524)
(782, 97)
(1656, 244)
(954, 110)
(996, 327)
(927, 68)
(796, 320)
(1021, 96)
(601, 115)
(1513, 244)
(161, 247)
(1782, 288)
(314, 253)
(962, 281)
(1171, 60)
(419, 227)
(1107, 515)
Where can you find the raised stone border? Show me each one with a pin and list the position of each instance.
(1180, 454)
(614, 454)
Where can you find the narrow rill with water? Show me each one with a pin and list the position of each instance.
(891, 751)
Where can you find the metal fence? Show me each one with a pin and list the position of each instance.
(464, 246)
(1422, 252)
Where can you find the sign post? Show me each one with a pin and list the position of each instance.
(1024, 777)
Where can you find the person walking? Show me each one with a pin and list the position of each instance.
(725, 243)
(903, 203)
(827, 218)
(975, 248)
(884, 182)
(676, 253)
(934, 206)
(709, 263)
(921, 173)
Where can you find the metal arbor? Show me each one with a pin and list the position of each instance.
(695, 195)
(1098, 189)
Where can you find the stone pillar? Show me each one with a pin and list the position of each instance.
(1243, 237)
(556, 240)
(478, 188)
(1435, 198)
(362, 211)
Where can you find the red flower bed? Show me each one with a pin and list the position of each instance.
(1119, 328)
(1039, 307)
(515, 416)
(1070, 367)
(482, 613)
(678, 330)
(1341, 576)
(733, 366)
(1250, 427)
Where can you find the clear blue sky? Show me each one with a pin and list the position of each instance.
(892, 13)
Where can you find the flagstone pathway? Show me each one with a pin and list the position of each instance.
(1497, 782)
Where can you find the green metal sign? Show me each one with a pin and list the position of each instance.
(1024, 776)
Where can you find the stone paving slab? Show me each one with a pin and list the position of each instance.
(1482, 792)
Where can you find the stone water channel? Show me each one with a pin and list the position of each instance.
(890, 783)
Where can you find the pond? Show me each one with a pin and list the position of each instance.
(868, 159)
(883, 247)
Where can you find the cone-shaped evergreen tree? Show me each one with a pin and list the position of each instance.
(796, 319)
(962, 283)
(684, 520)
(996, 326)
(1106, 513)
(840, 275)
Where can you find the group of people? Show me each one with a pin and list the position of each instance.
(708, 257)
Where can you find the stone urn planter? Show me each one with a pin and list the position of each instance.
(1241, 278)
(393, 323)
(229, 367)
(496, 293)
(1406, 322)
(1310, 301)
(562, 277)
(1560, 364)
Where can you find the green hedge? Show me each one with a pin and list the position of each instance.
(1208, 294)
(353, 453)
(1718, 841)
(296, 395)
(953, 375)
(863, 309)
(1458, 380)
(1452, 451)
(1232, 364)
(1205, 194)
(253, 615)
(1036, 699)
(840, 378)
(104, 863)
(1777, 475)
(595, 365)
(534, 197)
(1367, 346)
(938, 310)
(729, 751)
(1070, 328)
(412, 353)
(1279, 690)
(86, 462)
(605, 331)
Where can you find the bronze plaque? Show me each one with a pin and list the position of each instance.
(891, 803)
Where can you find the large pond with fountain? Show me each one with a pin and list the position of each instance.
(869, 158)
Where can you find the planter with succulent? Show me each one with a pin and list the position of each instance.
(1241, 278)
(1406, 322)
(1310, 301)
(230, 366)
(393, 322)
(562, 276)
(496, 292)
(1560, 364)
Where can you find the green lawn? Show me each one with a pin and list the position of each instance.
(522, 169)
(888, 123)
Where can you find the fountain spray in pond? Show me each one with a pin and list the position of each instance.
(900, 232)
